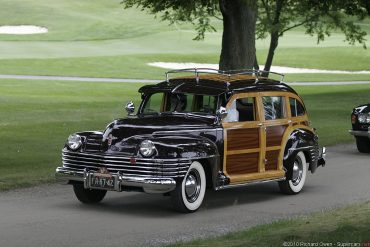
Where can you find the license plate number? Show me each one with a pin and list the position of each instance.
(102, 181)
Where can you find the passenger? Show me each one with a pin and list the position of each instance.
(232, 113)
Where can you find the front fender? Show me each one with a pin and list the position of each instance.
(184, 147)
(174, 146)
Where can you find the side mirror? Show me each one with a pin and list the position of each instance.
(221, 112)
(130, 108)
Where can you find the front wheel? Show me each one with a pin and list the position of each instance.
(188, 196)
(295, 185)
(363, 144)
(87, 195)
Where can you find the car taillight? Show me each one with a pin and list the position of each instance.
(354, 119)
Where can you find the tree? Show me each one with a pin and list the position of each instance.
(367, 6)
(239, 23)
(245, 20)
(317, 17)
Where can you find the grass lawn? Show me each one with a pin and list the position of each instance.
(101, 39)
(36, 117)
(346, 225)
(135, 66)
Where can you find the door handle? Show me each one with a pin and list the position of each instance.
(260, 124)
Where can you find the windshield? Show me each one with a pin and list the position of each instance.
(180, 102)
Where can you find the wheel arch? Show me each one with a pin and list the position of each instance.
(211, 166)
(301, 139)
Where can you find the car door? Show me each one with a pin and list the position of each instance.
(243, 139)
(275, 123)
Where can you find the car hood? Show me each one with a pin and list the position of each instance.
(146, 125)
(362, 109)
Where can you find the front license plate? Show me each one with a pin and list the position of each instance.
(102, 181)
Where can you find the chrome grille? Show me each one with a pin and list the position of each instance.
(122, 164)
(93, 143)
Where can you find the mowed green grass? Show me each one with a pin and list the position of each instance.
(135, 66)
(36, 117)
(101, 39)
(346, 225)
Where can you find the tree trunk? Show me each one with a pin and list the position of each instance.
(270, 56)
(256, 66)
(367, 6)
(274, 33)
(238, 38)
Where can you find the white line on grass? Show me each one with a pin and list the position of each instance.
(101, 79)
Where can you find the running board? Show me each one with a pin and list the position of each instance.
(230, 186)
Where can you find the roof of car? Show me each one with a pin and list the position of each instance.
(216, 84)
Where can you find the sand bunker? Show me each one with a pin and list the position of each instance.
(279, 69)
(22, 29)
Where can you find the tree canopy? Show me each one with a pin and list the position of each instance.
(245, 20)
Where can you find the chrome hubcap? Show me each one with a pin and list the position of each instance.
(297, 171)
(192, 186)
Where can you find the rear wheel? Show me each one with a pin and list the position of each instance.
(363, 144)
(88, 195)
(188, 195)
(295, 185)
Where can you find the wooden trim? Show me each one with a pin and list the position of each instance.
(272, 148)
(261, 162)
(262, 124)
(244, 151)
(257, 176)
(225, 153)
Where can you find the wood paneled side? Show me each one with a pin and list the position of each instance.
(242, 163)
(238, 139)
(272, 158)
(274, 135)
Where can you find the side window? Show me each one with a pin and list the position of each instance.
(154, 103)
(242, 110)
(296, 108)
(273, 107)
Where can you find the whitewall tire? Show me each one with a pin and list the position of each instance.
(295, 185)
(188, 195)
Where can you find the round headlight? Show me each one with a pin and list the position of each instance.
(368, 118)
(147, 148)
(361, 118)
(74, 141)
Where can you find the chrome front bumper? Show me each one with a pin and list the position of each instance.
(149, 185)
(360, 133)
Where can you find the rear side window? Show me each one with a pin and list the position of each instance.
(273, 107)
(296, 108)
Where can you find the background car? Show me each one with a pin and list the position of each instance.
(360, 119)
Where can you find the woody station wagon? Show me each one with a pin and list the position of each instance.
(212, 129)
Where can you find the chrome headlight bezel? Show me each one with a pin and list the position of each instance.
(147, 148)
(74, 142)
(363, 118)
